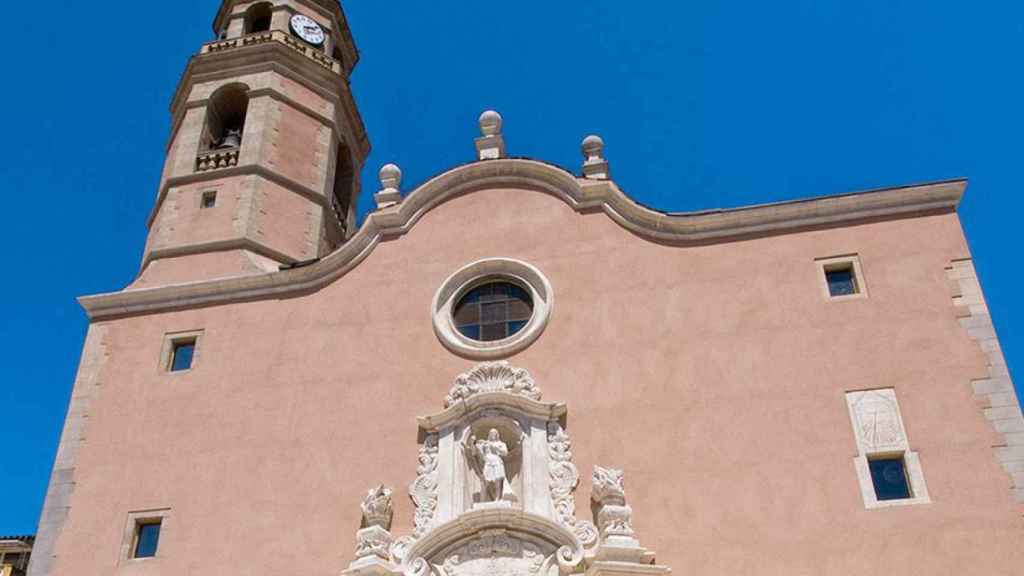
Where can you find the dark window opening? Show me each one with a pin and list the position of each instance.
(494, 311)
(842, 280)
(147, 539)
(258, 18)
(225, 118)
(209, 200)
(182, 355)
(889, 476)
(344, 184)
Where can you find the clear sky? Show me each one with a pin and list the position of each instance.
(703, 104)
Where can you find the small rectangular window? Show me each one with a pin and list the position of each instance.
(889, 476)
(209, 199)
(842, 278)
(841, 281)
(182, 354)
(147, 539)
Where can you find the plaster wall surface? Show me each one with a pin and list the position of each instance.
(715, 375)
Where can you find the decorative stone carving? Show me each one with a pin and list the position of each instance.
(494, 555)
(614, 517)
(374, 541)
(423, 490)
(609, 486)
(564, 478)
(491, 145)
(390, 180)
(493, 377)
(495, 494)
(377, 509)
(595, 166)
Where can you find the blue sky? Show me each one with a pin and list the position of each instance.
(702, 105)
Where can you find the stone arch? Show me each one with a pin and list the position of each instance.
(258, 18)
(226, 114)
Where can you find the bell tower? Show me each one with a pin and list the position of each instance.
(266, 146)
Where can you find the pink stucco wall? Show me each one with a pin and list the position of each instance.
(714, 375)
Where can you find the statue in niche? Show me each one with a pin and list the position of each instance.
(489, 459)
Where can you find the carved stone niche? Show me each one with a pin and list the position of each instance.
(496, 397)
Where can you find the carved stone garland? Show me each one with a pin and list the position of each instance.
(565, 477)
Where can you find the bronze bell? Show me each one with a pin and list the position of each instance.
(233, 139)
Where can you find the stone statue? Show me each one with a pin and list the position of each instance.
(376, 506)
(490, 454)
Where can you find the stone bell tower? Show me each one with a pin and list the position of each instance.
(266, 146)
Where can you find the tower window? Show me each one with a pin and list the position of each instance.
(147, 539)
(842, 278)
(841, 281)
(182, 354)
(208, 200)
(889, 476)
(258, 18)
(225, 118)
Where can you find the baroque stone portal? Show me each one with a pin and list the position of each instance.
(494, 494)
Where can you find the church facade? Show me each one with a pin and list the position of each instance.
(514, 368)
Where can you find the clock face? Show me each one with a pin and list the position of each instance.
(306, 28)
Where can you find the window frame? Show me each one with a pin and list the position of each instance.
(482, 272)
(834, 263)
(205, 195)
(171, 342)
(133, 526)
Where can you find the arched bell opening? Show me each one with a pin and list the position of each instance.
(225, 118)
(258, 18)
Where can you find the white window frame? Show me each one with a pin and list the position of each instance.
(167, 350)
(131, 531)
(851, 261)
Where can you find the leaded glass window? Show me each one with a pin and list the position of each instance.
(493, 311)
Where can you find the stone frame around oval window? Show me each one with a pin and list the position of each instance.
(480, 272)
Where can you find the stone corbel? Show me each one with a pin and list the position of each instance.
(619, 552)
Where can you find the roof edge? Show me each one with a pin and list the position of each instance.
(581, 194)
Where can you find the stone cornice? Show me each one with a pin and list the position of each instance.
(330, 8)
(518, 404)
(581, 194)
(279, 58)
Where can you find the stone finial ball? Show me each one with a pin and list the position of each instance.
(490, 123)
(390, 176)
(593, 146)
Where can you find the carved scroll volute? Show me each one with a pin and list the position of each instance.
(564, 477)
(423, 490)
